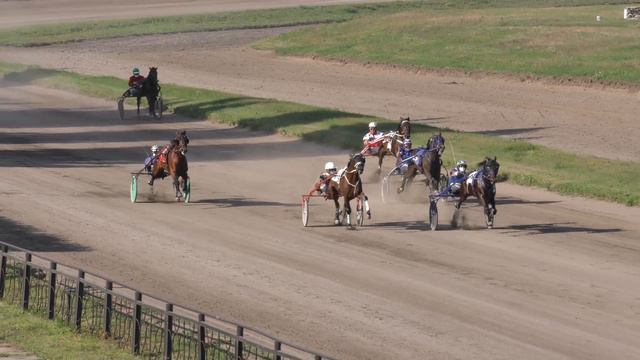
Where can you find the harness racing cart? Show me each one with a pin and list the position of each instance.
(146, 173)
(360, 209)
(157, 106)
(400, 170)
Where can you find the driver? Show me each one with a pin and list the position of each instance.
(150, 161)
(457, 176)
(322, 185)
(135, 82)
(373, 139)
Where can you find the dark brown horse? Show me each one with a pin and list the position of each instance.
(172, 161)
(391, 143)
(349, 188)
(150, 89)
(426, 161)
(482, 184)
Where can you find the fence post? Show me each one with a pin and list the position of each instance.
(137, 317)
(168, 332)
(278, 347)
(79, 299)
(26, 279)
(3, 269)
(108, 307)
(239, 344)
(202, 349)
(52, 291)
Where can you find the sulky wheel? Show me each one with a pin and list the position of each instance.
(433, 214)
(385, 189)
(305, 212)
(158, 106)
(134, 188)
(121, 107)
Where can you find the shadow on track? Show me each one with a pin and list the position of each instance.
(29, 238)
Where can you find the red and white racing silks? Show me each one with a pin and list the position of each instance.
(373, 142)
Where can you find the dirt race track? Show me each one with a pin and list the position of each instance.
(33, 12)
(585, 120)
(556, 279)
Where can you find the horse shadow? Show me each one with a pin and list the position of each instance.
(554, 228)
(516, 201)
(241, 202)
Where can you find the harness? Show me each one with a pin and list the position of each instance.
(344, 175)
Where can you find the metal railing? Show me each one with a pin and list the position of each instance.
(145, 324)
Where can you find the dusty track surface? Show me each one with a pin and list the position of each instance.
(600, 122)
(556, 279)
(31, 12)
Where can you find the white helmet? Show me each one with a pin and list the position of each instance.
(329, 166)
(372, 125)
(461, 163)
(407, 143)
(154, 148)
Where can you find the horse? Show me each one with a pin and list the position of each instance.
(172, 159)
(482, 184)
(149, 89)
(428, 162)
(391, 143)
(349, 188)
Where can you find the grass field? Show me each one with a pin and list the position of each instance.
(559, 42)
(51, 339)
(78, 31)
(522, 163)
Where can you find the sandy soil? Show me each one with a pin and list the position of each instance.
(557, 278)
(32, 12)
(600, 122)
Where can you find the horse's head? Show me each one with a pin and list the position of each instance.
(436, 144)
(404, 128)
(356, 161)
(490, 168)
(182, 141)
(153, 74)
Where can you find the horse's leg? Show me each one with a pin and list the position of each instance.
(337, 220)
(464, 190)
(176, 186)
(407, 178)
(381, 154)
(482, 199)
(492, 199)
(150, 104)
(347, 210)
(366, 206)
(138, 103)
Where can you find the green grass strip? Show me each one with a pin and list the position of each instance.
(52, 340)
(522, 162)
(556, 42)
(78, 31)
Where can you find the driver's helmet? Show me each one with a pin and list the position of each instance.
(461, 165)
(407, 144)
(372, 125)
(136, 71)
(330, 167)
(154, 149)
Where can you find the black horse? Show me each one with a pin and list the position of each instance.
(150, 89)
(428, 162)
(482, 184)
